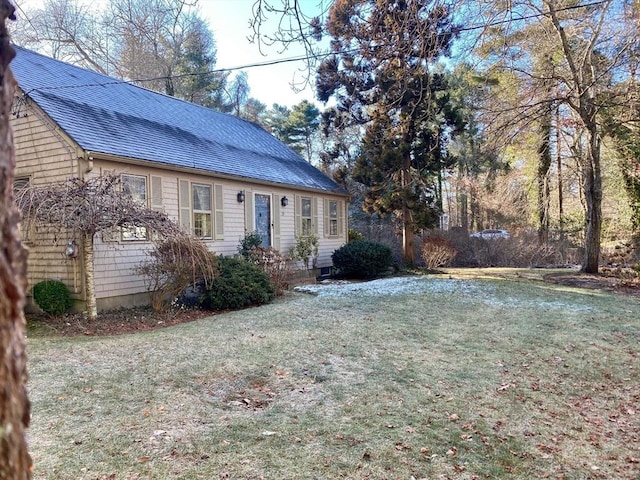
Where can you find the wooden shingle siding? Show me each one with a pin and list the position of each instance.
(117, 261)
(42, 153)
(43, 156)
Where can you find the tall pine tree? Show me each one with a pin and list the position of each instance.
(382, 76)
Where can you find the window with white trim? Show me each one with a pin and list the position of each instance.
(135, 186)
(333, 218)
(202, 210)
(306, 216)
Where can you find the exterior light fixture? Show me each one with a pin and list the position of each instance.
(284, 201)
(71, 250)
(241, 196)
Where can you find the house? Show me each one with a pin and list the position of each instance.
(217, 175)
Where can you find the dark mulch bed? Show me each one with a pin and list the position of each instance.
(115, 322)
(144, 318)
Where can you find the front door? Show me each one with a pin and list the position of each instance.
(263, 218)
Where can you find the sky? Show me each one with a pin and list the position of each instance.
(229, 22)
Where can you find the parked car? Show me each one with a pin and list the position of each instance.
(491, 234)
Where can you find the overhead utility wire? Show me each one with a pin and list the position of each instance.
(267, 63)
(528, 17)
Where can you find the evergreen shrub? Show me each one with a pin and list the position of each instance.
(239, 284)
(249, 241)
(52, 296)
(362, 259)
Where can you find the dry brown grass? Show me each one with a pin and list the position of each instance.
(425, 378)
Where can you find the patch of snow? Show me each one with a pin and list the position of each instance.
(392, 286)
(427, 284)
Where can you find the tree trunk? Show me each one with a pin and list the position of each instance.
(560, 183)
(584, 78)
(408, 249)
(544, 164)
(15, 462)
(593, 196)
(89, 279)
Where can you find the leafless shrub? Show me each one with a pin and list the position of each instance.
(520, 250)
(274, 264)
(174, 265)
(90, 206)
(437, 252)
(622, 254)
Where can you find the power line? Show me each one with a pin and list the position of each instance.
(305, 57)
(528, 17)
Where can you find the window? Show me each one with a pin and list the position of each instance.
(135, 186)
(306, 217)
(202, 210)
(333, 218)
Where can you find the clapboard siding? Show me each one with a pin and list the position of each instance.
(49, 157)
(43, 153)
(43, 156)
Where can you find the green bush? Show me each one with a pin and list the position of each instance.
(239, 284)
(362, 259)
(52, 296)
(250, 240)
(305, 249)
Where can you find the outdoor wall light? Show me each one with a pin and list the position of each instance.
(71, 250)
(284, 201)
(241, 196)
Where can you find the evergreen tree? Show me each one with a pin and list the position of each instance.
(300, 127)
(381, 76)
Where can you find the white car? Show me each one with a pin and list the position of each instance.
(491, 234)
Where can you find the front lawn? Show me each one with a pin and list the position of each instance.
(411, 377)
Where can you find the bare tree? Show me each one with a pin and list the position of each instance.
(69, 31)
(161, 44)
(167, 42)
(89, 207)
(550, 56)
(15, 462)
(284, 23)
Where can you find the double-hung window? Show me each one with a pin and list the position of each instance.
(135, 187)
(333, 218)
(334, 223)
(202, 210)
(306, 216)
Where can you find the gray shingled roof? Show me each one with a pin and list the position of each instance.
(105, 115)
